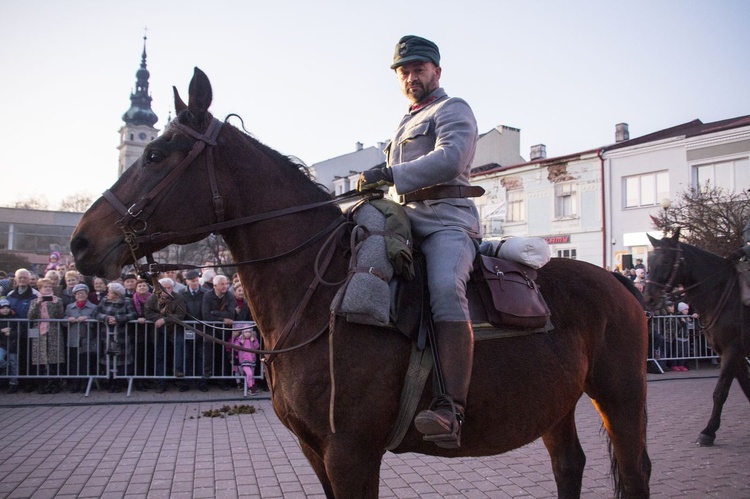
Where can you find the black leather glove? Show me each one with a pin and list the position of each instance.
(374, 178)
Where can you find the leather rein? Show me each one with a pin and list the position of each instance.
(669, 286)
(133, 225)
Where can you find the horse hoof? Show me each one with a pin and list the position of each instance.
(705, 440)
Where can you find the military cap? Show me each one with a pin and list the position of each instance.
(412, 48)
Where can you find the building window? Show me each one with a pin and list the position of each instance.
(567, 253)
(41, 238)
(339, 185)
(566, 200)
(516, 206)
(722, 175)
(646, 190)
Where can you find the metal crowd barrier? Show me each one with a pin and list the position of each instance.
(90, 351)
(675, 339)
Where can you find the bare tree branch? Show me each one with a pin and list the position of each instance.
(708, 217)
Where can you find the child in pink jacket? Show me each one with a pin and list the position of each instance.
(245, 336)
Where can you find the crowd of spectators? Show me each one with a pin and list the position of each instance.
(674, 327)
(100, 321)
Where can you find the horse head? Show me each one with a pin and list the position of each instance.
(193, 180)
(664, 269)
(146, 199)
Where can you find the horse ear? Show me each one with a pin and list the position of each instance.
(653, 241)
(200, 94)
(676, 235)
(179, 104)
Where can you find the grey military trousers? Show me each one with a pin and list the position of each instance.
(449, 256)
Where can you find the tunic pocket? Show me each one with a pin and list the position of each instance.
(416, 141)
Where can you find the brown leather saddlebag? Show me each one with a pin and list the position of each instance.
(509, 293)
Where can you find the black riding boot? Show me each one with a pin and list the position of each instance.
(442, 422)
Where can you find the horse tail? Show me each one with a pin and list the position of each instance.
(614, 467)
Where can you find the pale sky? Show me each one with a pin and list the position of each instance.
(311, 79)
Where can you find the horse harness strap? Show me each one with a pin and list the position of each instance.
(672, 279)
(723, 300)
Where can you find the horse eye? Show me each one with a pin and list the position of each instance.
(154, 156)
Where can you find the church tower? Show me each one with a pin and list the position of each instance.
(138, 129)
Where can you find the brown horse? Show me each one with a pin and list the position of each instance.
(711, 286)
(522, 388)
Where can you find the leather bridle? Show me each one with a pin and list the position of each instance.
(133, 221)
(133, 225)
(669, 286)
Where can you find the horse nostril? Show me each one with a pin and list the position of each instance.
(79, 246)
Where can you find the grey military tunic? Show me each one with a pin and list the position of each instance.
(434, 145)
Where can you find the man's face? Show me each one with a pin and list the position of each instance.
(100, 285)
(168, 288)
(130, 284)
(23, 279)
(418, 79)
(194, 283)
(81, 295)
(221, 287)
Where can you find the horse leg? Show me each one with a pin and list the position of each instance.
(626, 427)
(726, 374)
(743, 377)
(354, 470)
(318, 467)
(568, 458)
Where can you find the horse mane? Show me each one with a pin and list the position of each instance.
(631, 287)
(291, 162)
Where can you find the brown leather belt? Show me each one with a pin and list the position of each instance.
(442, 192)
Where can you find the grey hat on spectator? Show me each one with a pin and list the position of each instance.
(117, 288)
(4, 303)
(80, 287)
(192, 274)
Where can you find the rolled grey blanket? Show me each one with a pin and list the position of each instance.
(367, 298)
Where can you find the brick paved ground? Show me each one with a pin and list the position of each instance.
(156, 446)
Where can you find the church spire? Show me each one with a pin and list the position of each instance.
(140, 112)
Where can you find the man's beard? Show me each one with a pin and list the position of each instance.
(417, 92)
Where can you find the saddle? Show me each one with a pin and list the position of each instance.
(504, 300)
(387, 281)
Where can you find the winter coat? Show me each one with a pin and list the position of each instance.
(218, 309)
(82, 335)
(49, 347)
(121, 333)
(20, 302)
(9, 343)
(246, 358)
(174, 308)
(193, 303)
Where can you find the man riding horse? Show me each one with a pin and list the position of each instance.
(428, 164)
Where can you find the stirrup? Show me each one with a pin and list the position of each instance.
(451, 439)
